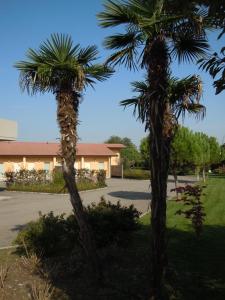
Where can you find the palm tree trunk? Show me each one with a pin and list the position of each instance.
(156, 58)
(67, 116)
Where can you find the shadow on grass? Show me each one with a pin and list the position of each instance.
(131, 195)
(197, 268)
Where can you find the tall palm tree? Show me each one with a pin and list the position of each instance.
(183, 96)
(65, 70)
(155, 32)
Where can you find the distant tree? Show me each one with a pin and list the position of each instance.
(204, 152)
(145, 152)
(194, 149)
(114, 139)
(215, 151)
(181, 151)
(65, 70)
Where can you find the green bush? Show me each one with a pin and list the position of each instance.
(136, 174)
(49, 235)
(27, 177)
(101, 177)
(112, 223)
(56, 235)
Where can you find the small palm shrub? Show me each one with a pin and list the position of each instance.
(54, 235)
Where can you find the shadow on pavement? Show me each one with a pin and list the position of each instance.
(18, 227)
(131, 195)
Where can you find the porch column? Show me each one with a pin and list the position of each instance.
(24, 162)
(54, 162)
(82, 162)
(109, 167)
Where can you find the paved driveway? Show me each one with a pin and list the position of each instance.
(18, 208)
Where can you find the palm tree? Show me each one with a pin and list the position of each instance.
(183, 96)
(65, 70)
(155, 32)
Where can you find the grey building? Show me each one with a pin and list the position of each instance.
(8, 130)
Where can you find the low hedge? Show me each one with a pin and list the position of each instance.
(95, 180)
(136, 174)
(54, 235)
(53, 188)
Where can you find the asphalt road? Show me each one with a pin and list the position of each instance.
(18, 208)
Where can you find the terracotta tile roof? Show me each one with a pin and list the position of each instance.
(50, 149)
(112, 146)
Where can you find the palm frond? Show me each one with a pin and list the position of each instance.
(116, 13)
(87, 55)
(188, 47)
(215, 65)
(128, 45)
(140, 103)
(97, 72)
(58, 64)
(183, 95)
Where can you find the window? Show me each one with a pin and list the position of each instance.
(47, 166)
(101, 165)
(87, 165)
(1, 168)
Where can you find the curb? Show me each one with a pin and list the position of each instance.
(63, 194)
(8, 247)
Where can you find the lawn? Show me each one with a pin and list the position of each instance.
(199, 263)
(197, 266)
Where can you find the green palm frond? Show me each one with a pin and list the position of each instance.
(215, 65)
(140, 103)
(58, 64)
(96, 73)
(127, 45)
(87, 55)
(188, 47)
(182, 26)
(117, 13)
(184, 97)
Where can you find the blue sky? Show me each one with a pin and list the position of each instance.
(26, 23)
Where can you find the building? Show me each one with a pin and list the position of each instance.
(8, 130)
(45, 156)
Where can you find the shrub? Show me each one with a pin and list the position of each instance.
(57, 177)
(101, 177)
(48, 236)
(56, 235)
(27, 177)
(136, 174)
(112, 223)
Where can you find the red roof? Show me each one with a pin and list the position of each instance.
(50, 149)
(112, 146)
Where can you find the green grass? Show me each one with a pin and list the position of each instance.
(199, 263)
(136, 174)
(53, 188)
